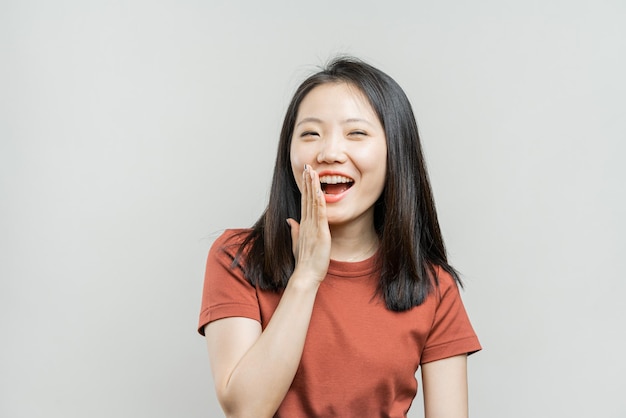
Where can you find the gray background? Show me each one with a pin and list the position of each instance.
(133, 132)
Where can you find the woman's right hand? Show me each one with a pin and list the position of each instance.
(311, 238)
(253, 367)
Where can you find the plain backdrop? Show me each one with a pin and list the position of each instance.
(133, 132)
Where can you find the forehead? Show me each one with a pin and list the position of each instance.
(338, 99)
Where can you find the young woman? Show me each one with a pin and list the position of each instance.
(342, 288)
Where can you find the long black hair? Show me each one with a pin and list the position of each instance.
(405, 219)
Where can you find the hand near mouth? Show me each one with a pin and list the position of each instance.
(311, 238)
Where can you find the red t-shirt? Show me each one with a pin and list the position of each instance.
(359, 358)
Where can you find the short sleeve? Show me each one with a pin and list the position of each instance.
(451, 333)
(226, 291)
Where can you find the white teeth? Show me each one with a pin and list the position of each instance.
(335, 179)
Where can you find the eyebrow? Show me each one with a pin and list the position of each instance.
(357, 120)
(317, 120)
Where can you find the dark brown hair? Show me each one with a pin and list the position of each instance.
(411, 245)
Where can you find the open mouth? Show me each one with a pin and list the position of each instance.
(335, 184)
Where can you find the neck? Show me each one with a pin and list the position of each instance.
(352, 244)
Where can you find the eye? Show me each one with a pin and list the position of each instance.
(358, 132)
(306, 134)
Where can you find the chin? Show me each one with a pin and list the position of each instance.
(335, 221)
(339, 220)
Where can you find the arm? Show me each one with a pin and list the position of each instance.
(253, 369)
(445, 388)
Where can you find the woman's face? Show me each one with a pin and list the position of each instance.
(338, 134)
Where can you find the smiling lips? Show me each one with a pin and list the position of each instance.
(335, 186)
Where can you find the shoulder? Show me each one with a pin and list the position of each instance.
(233, 236)
(445, 283)
(227, 292)
(444, 278)
(230, 240)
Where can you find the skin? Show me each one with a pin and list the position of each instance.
(253, 370)
(336, 129)
(444, 385)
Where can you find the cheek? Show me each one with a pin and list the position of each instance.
(377, 178)
(297, 167)
(297, 163)
(374, 163)
(372, 160)
(382, 173)
(301, 154)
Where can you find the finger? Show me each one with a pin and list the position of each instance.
(314, 194)
(295, 233)
(321, 206)
(305, 196)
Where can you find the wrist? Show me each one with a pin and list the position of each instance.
(304, 281)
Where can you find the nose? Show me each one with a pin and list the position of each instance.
(332, 150)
